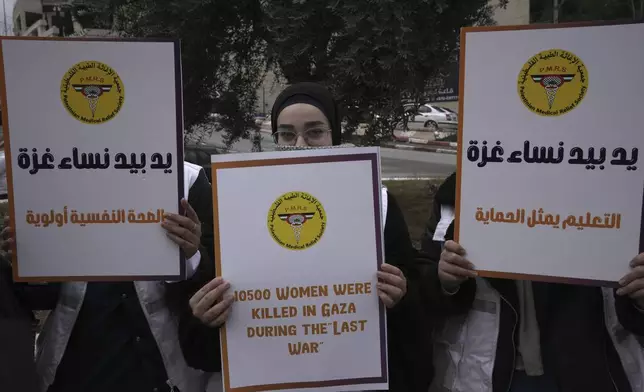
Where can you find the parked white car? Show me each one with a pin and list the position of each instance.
(451, 115)
(432, 117)
(266, 123)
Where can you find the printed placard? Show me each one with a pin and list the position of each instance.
(90, 171)
(299, 237)
(549, 186)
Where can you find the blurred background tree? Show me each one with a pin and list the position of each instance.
(93, 13)
(375, 55)
(222, 50)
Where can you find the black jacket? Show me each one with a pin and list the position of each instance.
(408, 324)
(576, 347)
(17, 368)
(45, 296)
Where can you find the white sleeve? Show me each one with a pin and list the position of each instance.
(191, 266)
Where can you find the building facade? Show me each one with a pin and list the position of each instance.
(516, 13)
(54, 18)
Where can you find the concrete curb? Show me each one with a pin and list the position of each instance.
(414, 140)
(419, 178)
(443, 144)
(419, 147)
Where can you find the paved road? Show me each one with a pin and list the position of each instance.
(402, 163)
(395, 162)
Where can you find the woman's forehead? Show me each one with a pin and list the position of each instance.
(301, 114)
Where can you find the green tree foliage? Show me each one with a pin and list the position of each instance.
(374, 54)
(222, 50)
(542, 11)
(96, 14)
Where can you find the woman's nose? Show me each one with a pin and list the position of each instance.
(300, 142)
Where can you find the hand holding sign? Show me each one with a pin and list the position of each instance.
(210, 305)
(7, 238)
(185, 231)
(392, 285)
(633, 283)
(453, 267)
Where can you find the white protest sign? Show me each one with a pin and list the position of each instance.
(550, 186)
(93, 135)
(299, 237)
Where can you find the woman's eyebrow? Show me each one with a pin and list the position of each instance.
(286, 126)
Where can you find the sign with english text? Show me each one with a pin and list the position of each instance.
(90, 172)
(550, 185)
(301, 250)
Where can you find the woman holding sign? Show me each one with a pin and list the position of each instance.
(123, 336)
(305, 115)
(523, 336)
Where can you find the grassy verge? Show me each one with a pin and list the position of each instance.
(415, 199)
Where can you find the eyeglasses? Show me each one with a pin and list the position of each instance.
(312, 137)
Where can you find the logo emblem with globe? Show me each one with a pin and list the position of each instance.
(92, 92)
(296, 220)
(553, 82)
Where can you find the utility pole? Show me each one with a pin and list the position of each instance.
(638, 12)
(263, 99)
(4, 13)
(555, 12)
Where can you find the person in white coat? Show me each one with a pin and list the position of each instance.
(124, 336)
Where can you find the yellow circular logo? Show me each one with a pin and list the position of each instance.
(296, 220)
(553, 82)
(92, 92)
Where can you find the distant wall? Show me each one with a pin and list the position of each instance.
(516, 13)
(267, 93)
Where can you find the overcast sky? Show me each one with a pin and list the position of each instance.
(9, 7)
